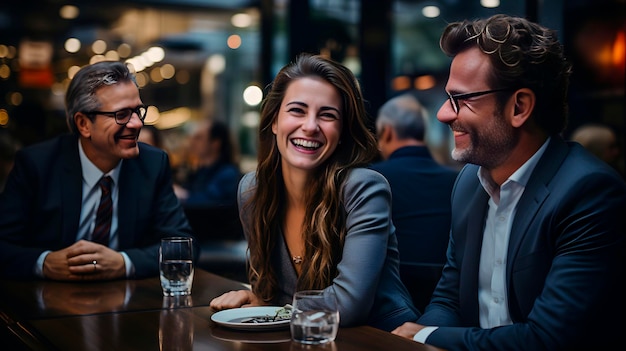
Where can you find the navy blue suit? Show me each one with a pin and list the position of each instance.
(565, 266)
(215, 185)
(41, 204)
(420, 203)
(421, 190)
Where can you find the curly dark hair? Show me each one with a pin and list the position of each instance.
(523, 54)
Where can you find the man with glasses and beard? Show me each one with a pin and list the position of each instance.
(536, 253)
(94, 204)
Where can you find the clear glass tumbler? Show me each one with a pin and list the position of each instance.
(176, 265)
(315, 317)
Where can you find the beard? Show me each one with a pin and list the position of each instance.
(490, 144)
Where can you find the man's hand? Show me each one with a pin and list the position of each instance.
(76, 262)
(407, 330)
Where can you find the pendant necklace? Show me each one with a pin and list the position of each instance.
(296, 259)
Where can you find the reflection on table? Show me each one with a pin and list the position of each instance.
(176, 328)
(77, 299)
(46, 299)
(134, 315)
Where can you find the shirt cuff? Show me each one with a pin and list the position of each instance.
(39, 264)
(130, 268)
(423, 334)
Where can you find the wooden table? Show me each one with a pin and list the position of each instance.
(133, 315)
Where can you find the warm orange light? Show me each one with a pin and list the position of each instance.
(234, 41)
(424, 82)
(619, 50)
(4, 118)
(603, 49)
(401, 83)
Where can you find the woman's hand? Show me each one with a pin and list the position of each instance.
(234, 299)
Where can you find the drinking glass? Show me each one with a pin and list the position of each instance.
(176, 265)
(314, 318)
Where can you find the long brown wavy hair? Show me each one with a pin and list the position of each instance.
(324, 224)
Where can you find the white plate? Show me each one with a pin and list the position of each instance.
(231, 318)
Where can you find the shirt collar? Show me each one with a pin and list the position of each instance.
(520, 176)
(91, 173)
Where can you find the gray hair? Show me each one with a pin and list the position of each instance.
(406, 115)
(81, 94)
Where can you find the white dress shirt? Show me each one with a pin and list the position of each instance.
(91, 194)
(492, 293)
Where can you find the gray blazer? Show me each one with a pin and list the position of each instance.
(368, 286)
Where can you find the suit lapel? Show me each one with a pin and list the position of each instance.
(535, 193)
(72, 188)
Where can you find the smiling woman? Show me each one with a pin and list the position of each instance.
(308, 126)
(311, 211)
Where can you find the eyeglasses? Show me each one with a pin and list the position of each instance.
(122, 117)
(454, 99)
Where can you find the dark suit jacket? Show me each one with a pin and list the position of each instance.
(420, 203)
(565, 266)
(212, 186)
(40, 206)
(421, 190)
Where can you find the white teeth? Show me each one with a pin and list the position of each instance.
(306, 143)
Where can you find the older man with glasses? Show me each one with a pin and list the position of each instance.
(94, 204)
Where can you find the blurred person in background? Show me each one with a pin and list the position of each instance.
(314, 216)
(214, 174)
(421, 191)
(151, 135)
(536, 253)
(93, 204)
(601, 141)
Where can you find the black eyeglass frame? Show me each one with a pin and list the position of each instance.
(454, 99)
(138, 110)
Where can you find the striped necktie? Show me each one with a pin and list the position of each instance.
(105, 213)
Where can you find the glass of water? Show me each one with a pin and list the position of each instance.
(315, 317)
(176, 265)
